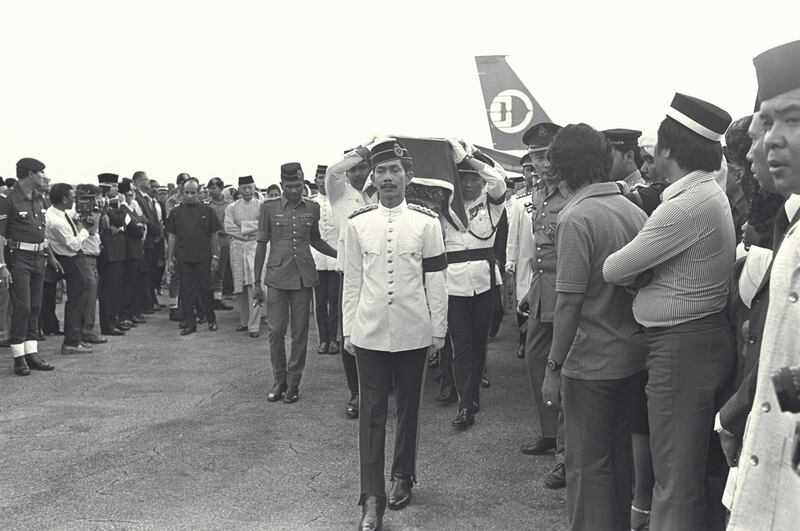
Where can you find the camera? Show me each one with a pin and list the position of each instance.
(86, 203)
(787, 386)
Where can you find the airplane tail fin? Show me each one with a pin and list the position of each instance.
(510, 107)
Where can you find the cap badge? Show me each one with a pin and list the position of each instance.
(542, 131)
(398, 150)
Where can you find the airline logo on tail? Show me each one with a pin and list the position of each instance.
(510, 107)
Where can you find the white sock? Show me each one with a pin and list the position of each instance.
(31, 346)
(18, 350)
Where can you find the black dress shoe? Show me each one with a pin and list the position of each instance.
(447, 396)
(371, 514)
(400, 495)
(55, 332)
(323, 348)
(333, 348)
(186, 331)
(464, 419)
(219, 305)
(173, 314)
(485, 382)
(254, 335)
(138, 319)
(95, 340)
(122, 325)
(36, 363)
(292, 395)
(540, 446)
(351, 409)
(276, 393)
(241, 328)
(21, 366)
(557, 478)
(201, 320)
(147, 312)
(113, 332)
(126, 324)
(212, 326)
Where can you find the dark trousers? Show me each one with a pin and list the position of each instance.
(75, 276)
(282, 305)
(89, 304)
(522, 324)
(110, 287)
(378, 373)
(468, 320)
(129, 304)
(597, 425)
(348, 358)
(688, 367)
(196, 282)
(538, 339)
(48, 320)
(218, 276)
(148, 285)
(326, 305)
(27, 277)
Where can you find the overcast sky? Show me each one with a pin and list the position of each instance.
(234, 88)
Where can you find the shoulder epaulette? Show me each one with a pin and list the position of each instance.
(424, 210)
(362, 210)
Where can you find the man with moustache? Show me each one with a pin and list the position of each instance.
(23, 257)
(767, 487)
(241, 226)
(394, 313)
(549, 197)
(290, 225)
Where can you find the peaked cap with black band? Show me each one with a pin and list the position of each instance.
(701, 117)
(540, 135)
(623, 139)
(389, 150)
(777, 71)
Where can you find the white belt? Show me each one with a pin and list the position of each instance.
(33, 247)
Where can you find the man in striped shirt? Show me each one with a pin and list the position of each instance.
(681, 263)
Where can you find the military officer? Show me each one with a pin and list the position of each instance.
(290, 225)
(394, 311)
(548, 198)
(625, 153)
(22, 227)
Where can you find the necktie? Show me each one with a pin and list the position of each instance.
(71, 224)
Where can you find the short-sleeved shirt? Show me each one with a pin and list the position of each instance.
(22, 219)
(219, 208)
(193, 225)
(546, 206)
(289, 228)
(596, 222)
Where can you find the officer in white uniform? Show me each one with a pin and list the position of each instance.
(394, 311)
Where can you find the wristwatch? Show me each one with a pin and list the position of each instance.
(553, 365)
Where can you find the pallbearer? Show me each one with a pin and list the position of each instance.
(394, 310)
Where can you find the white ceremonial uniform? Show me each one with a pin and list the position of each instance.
(519, 248)
(387, 304)
(329, 232)
(767, 489)
(466, 279)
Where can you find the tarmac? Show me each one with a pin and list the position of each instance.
(157, 431)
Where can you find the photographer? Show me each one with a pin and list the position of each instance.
(65, 240)
(88, 210)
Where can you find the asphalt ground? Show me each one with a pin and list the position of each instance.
(157, 431)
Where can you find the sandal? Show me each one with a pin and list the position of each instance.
(640, 519)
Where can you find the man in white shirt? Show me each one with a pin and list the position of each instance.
(65, 239)
(472, 274)
(394, 311)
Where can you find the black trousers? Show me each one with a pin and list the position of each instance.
(468, 320)
(75, 276)
(522, 324)
(196, 283)
(129, 305)
(110, 287)
(27, 277)
(326, 302)
(48, 320)
(348, 358)
(378, 371)
(153, 276)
